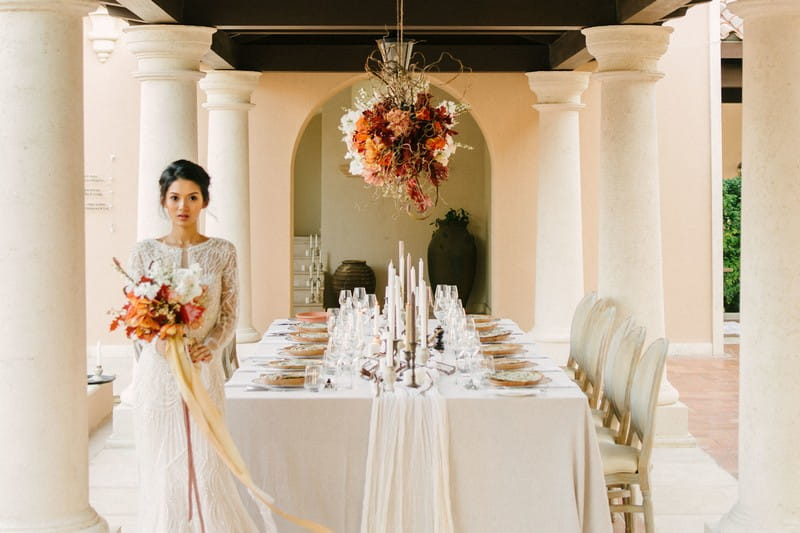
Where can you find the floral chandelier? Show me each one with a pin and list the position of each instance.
(397, 139)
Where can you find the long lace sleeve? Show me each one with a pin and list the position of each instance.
(224, 330)
(136, 262)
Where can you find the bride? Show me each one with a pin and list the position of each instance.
(161, 444)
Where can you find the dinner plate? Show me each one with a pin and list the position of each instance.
(485, 326)
(309, 338)
(304, 350)
(516, 378)
(502, 348)
(290, 364)
(313, 327)
(312, 316)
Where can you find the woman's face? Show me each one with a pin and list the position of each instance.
(183, 202)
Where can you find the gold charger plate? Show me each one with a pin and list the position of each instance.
(485, 326)
(304, 350)
(507, 363)
(291, 364)
(289, 379)
(494, 335)
(480, 318)
(502, 348)
(516, 378)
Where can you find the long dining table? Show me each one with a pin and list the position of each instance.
(517, 463)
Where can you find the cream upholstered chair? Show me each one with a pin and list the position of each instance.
(590, 361)
(629, 465)
(623, 354)
(577, 330)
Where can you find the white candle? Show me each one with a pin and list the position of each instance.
(376, 314)
(99, 355)
(397, 302)
(389, 303)
(412, 281)
(421, 274)
(401, 247)
(402, 273)
(423, 313)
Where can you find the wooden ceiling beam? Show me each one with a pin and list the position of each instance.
(562, 14)
(351, 58)
(569, 51)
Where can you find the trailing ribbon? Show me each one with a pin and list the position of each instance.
(209, 420)
(192, 473)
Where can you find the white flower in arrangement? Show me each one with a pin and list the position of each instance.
(146, 290)
(186, 283)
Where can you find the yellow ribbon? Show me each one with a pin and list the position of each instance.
(209, 420)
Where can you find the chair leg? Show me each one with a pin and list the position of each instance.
(649, 525)
(627, 500)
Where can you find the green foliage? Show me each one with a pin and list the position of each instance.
(453, 216)
(731, 239)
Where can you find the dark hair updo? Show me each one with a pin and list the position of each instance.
(185, 170)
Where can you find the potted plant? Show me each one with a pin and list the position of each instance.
(452, 254)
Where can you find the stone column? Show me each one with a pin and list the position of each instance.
(769, 492)
(228, 102)
(559, 237)
(630, 270)
(44, 485)
(169, 59)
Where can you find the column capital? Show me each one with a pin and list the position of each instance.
(627, 47)
(558, 90)
(229, 89)
(168, 50)
(751, 9)
(76, 7)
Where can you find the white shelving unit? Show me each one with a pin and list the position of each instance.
(308, 275)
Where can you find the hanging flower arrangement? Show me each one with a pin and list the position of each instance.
(402, 147)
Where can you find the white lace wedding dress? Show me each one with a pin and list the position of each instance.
(158, 411)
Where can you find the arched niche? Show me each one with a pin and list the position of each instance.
(355, 223)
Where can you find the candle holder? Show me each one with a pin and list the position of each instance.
(411, 362)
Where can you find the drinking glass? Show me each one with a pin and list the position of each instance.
(360, 297)
(480, 368)
(313, 377)
(344, 373)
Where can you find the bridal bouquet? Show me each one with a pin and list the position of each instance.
(161, 303)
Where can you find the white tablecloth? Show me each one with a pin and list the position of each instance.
(520, 464)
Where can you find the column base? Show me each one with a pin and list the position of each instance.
(87, 521)
(672, 426)
(122, 435)
(247, 335)
(738, 520)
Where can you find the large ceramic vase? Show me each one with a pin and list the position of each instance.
(452, 256)
(353, 273)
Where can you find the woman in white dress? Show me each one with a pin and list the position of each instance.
(158, 410)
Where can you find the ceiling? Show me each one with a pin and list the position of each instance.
(336, 36)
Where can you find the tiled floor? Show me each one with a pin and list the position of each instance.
(690, 488)
(709, 386)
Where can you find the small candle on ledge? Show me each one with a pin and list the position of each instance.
(98, 354)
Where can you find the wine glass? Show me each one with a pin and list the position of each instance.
(360, 297)
(480, 368)
(344, 295)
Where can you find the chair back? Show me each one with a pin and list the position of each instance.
(644, 395)
(623, 354)
(578, 326)
(596, 342)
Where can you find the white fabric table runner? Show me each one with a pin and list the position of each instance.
(516, 464)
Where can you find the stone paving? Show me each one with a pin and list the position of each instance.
(692, 486)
